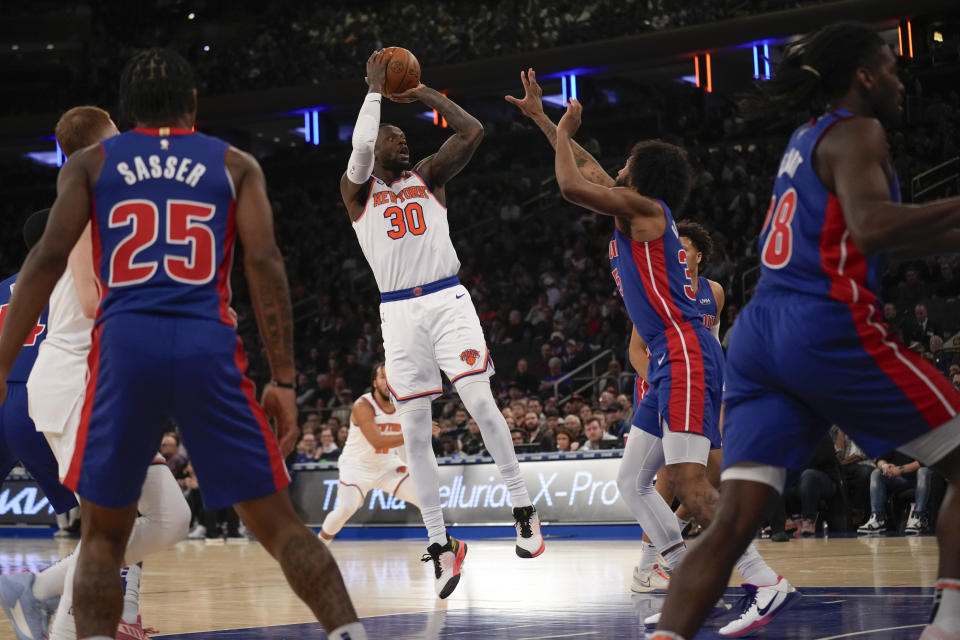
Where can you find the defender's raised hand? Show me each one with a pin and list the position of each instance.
(531, 105)
(377, 70)
(570, 122)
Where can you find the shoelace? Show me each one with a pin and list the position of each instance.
(526, 530)
(745, 602)
(427, 557)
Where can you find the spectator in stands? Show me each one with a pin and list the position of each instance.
(595, 435)
(307, 448)
(363, 354)
(517, 436)
(472, 442)
(341, 436)
(328, 451)
(919, 328)
(540, 368)
(856, 469)
(553, 376)
(564, 440)
(355, 374)
(911, 291)
(897, 472)
(517, 329)
(626, 405)
(170, 450)
(949, 286)
(607, 397)
(311, 423)
(450, 446)
(524, 379)
(614, 423)
(818, 482)
(574, 427)
(573, 356)
(937, 356)
(535, 433)
(611, 378)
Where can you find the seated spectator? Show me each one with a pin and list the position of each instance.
(936, 355)
(892, 318)
(517, 436)
(341, 437)
(525, 380)
(435, 439)
(856, 468)
(611, 378)
(911, 291)
(949, 286)
(311, 423)
(564, 441)
(626, 405)
(552, 421)
(817, 482)
(450, 446)
(897, 472)
(607, 397)
(307, 448)
(920, 327)
(554, 374)
(170, 450)
(472, 442)
(517, 329)
(328, 450)
(614, 423)
(458, 426)
(535, 433)
(574, 427)
(595, 435)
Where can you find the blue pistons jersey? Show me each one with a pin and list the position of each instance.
(28, 354)
(706, 303)
(164, 225)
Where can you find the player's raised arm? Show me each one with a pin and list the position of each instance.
(47, 261)
(354, 180)
(531, 105)
(854, 156)
(455, 153)
(614, 201)
(364, 417)
(269, 291)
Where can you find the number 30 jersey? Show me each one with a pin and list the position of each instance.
(404, 234)
(163, 233)
(804, 244)
(655, 282)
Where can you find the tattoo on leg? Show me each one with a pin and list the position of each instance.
(315, 578)
(97, 597)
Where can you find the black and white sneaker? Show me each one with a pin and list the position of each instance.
(530, 542)
(447, 560)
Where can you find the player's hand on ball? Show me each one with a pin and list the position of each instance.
(410, 95)
(531, 105)
(377, 70)
(570, 122)
(280, 404)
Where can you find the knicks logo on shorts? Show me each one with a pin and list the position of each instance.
(470, 356)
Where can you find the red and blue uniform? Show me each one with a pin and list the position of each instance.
(19, 438)
(686, 362)
(164, 345)
(810, 349)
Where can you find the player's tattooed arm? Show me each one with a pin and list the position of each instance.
(531, 105)
(263, 265)
(455, 153)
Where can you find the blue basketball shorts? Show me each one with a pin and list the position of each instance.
(146, 369)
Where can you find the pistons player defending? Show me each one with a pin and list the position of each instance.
(369, 459)
(677, 423)
(428, 319)
(166, 205)
(810, 349)
(696, 241)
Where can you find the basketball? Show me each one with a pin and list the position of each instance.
(403, 71)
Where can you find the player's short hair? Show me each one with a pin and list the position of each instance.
(156, 85)
(34, 226)
(816, 70)
(80, 127)
(699, 236)
(373, 371)
(660, 170)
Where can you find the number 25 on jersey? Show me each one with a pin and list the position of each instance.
(184, 222)
(778, 247)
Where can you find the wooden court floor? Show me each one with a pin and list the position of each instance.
(199, 587)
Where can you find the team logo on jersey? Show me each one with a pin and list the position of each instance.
(470, 356)
(164, 144)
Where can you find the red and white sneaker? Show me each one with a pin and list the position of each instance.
(447, 561)
(530, 542)
(135, 631)
(655, 578)
(760, 606)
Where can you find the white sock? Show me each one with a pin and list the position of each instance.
(948, 608)
(131, 593)
(49, 582)
(755, 570)
(414, 417)
(479, 403)
(648, 557)
(64, 627)
(672, 558)
(352, 631)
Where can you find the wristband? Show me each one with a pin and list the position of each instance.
(282, 385)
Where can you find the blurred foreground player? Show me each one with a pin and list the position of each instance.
(400, 217)
(19, 440)
(811, 348)
(369, 459)
(166, 205)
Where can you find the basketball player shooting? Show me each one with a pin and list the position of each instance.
(164, 344)
(429, 322)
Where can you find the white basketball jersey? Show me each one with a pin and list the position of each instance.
(59, 376)
(358, 450)
(404, 234)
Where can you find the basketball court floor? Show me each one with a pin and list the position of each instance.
(875, 588)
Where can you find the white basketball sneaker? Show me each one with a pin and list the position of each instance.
(655, 578)
(530, 542)
(447, 560)
(760, 606)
